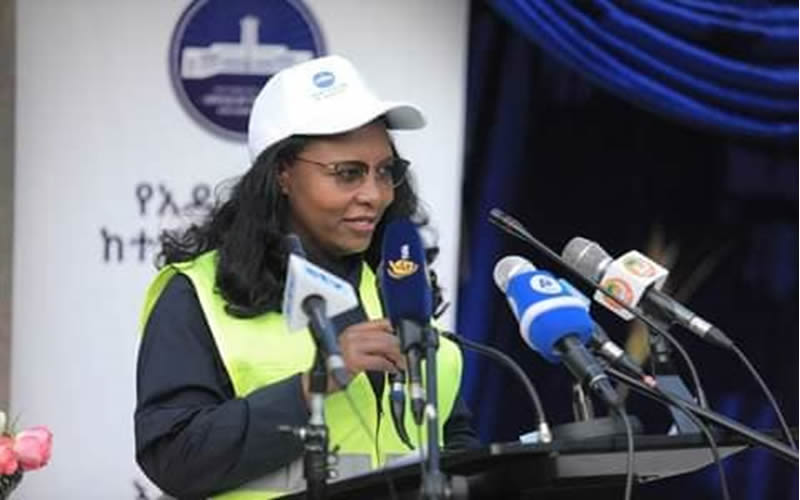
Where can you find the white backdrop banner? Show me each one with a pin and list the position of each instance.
(127, 116)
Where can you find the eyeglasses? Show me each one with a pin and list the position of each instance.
(353, 173)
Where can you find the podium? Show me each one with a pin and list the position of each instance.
(558, 470)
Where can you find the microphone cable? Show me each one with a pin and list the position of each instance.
(768, 393)
(545, 434)
(687, 360)
(629, 461)
(659, 395)
(513, 227)
(712, 443)
(397, 406)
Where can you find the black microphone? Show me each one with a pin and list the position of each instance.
(614, 354)
(408, 299)
(593, 262)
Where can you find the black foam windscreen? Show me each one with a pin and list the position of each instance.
(404, 284)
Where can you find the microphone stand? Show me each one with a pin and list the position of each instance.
(315, 437)
(751, 436)
(435, 484)
(669, 379)
(587, 425)
(315, 434)
(420, 343)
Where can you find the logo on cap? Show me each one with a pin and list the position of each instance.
(324, 79)
(223, 52)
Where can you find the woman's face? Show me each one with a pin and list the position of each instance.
(328, 204)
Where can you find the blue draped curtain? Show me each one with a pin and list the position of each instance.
(722, 66)
(617, 121)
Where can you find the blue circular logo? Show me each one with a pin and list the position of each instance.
(223, 51)
(324, 79)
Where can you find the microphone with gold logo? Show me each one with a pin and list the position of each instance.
(408, 300)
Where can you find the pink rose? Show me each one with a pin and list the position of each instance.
(32, 447)
(8, 459)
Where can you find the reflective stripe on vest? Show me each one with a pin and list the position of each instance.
(260, 351)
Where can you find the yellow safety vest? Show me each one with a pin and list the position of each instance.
(260, 351)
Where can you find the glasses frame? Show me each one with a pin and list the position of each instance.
(334, 167)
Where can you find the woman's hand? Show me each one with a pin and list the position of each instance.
(370, 345)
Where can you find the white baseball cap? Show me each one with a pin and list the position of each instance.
(322, 96)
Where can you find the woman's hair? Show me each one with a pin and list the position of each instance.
(248, 228)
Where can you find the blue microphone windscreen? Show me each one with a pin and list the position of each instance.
(404, 284)
(547, 312)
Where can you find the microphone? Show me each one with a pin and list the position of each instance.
(408, 300)
(636, 280)
(602, 344)
(553, 322)
(397, 381)
(311, 297)
(615, 355)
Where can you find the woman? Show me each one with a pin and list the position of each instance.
(218, 373)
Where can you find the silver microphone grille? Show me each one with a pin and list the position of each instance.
(587, 257)
(508, 267)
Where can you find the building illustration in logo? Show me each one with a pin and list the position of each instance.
(248, 57)
(222, 53)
